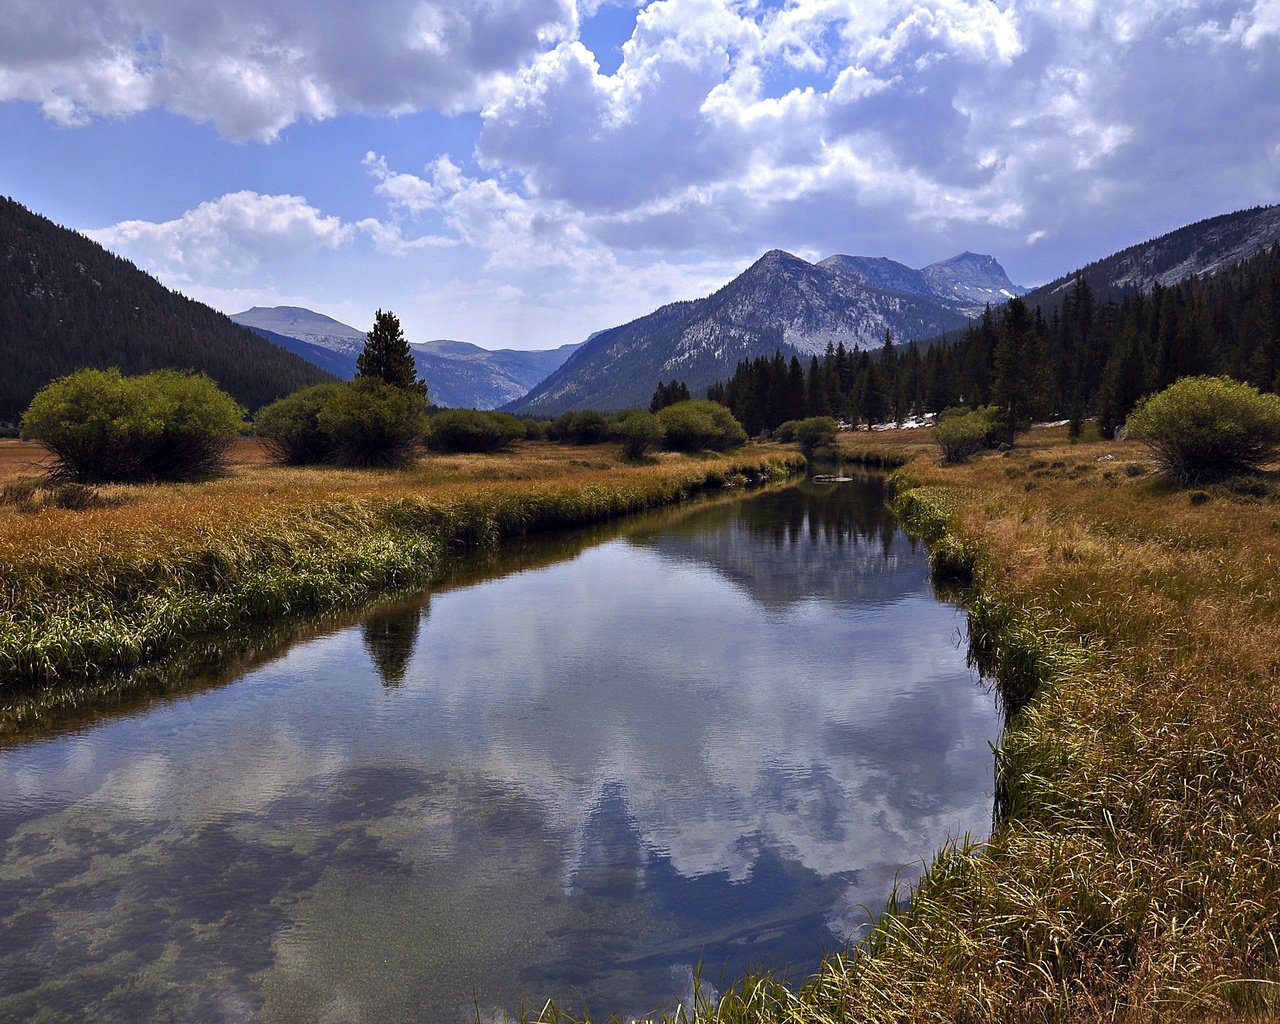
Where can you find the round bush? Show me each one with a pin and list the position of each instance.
(469, 430)
(1208, 428)
(104, 427)
(371, 423)
(961, 434)
(814, 433)
(786, 431)
(639, 431)
(290, 428)
(697, 424)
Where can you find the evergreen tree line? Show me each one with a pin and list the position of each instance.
(1088, 357)
(1098, 358)
(770, 390)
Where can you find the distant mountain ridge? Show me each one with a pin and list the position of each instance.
(67, 303)
(1204, 247)
(780, 302)
(458, 374)
(305, 325)
(964, 283)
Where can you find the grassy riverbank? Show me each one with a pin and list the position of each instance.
(143, 571)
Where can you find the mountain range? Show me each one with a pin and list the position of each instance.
(65, 303)
(458, 374)
(1204, 247)
(780, 302)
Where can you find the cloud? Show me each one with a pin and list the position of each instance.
(527, 270)
(252, 67)
(903, 127)
(232, 235)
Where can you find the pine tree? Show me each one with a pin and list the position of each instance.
(1020, 387)
(818, 398)
(669, 394)
(873, 401)
(387, 357)
(794, 408)
(1123, 382)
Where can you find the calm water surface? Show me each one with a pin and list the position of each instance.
(716, 738)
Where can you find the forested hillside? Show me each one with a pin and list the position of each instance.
(1087, 357)
(67, 303)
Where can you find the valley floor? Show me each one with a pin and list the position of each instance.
(1137, 877)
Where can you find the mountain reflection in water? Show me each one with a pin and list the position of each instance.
(717, 738)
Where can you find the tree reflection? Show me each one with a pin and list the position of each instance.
(829, 514)
(391, 636)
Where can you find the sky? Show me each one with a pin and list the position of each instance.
(521, 173)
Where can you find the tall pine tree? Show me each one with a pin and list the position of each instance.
(387, 357)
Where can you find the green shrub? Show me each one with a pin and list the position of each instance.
(786, 431)
(470, 430)
(361, 423)
(585, 427)
(1208, 428)
(535, 430)
(961, 433)
(104, 427)
(697, 424)
(639, 431)
(371, 423)
(289, 429)
(815, 433)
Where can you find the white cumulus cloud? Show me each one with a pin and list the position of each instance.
(233, 234)
(908, 128)
(252, 67)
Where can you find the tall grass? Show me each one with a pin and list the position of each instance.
(1133, 638)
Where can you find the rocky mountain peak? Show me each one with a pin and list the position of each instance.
(972, 279)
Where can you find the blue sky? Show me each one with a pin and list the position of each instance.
(524, 172)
